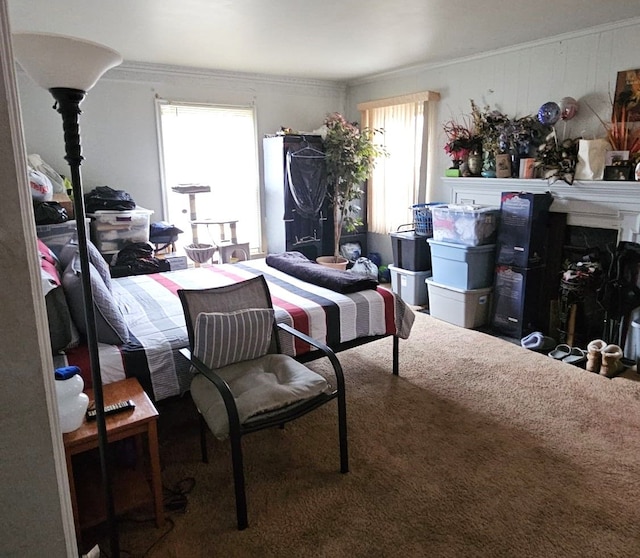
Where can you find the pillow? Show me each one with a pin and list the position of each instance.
(69, 251)
(224, 338)
(62, 331)
(110, 323)
(46, 254)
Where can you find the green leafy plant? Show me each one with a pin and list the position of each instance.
(350, 156)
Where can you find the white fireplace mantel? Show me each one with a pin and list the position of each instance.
(603, 204)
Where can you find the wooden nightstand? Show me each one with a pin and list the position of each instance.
(133, 487)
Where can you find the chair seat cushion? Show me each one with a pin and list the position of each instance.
(263, 384)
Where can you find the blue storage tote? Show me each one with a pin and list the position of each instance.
(462, 267)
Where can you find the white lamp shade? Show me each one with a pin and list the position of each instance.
(60, 61)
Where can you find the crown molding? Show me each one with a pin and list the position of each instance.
(149, 72)
(420, 68)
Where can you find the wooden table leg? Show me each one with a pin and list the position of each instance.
(156, 478)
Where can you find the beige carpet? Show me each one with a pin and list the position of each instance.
(480, 448)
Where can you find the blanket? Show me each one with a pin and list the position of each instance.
(299, 266)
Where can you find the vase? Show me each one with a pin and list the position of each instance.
(474, 162)
(488, 164)
(72, 402)
(333, 262)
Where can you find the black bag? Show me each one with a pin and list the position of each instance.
(49, 213)
(137, 258)
(107, 199)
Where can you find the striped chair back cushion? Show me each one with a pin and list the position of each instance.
(224, 338)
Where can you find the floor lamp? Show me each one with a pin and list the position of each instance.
(68, 68)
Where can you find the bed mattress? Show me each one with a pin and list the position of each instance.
(154, 315)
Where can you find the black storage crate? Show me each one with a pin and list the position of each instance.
(411, 251)
(518, 307)
(522, 233)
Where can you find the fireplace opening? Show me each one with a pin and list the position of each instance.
(587, 255)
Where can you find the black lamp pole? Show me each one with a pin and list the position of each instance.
(68, 105)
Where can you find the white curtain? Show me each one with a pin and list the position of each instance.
(404, 177)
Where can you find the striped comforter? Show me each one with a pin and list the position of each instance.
(156, 322)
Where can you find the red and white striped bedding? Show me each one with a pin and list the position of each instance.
(156, 321)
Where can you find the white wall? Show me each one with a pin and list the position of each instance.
(118, 124)
(517, 81)
(35, 508)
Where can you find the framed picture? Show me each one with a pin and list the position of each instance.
(527, 167)
(628, 94)
(618, 172)
(613, 157)
(503, 165)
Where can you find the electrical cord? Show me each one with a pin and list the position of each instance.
(174, 500)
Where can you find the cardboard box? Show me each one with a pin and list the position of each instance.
(522, 231)
(517, 307)
(176, 262)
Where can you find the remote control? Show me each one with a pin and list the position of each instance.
(111, 409)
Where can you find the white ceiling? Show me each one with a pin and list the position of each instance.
(324, 39)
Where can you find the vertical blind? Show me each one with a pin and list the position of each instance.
(402, 178)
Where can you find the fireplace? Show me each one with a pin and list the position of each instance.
(599, 216)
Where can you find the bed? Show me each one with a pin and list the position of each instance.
(155, 320)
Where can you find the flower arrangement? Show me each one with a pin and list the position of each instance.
(350, 157)
(490, 125)
(557, 159)
(461, 139)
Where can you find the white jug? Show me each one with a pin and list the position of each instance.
(72, 402)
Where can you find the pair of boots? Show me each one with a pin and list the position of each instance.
(604, 359)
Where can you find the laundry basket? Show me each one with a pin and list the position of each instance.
(422, 218)
(200, 253)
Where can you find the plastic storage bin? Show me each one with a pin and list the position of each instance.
(410, 285)
(112, 230)
(410, 251)
(463, 267)
(56, 236)
(471, 225)
(464, 308)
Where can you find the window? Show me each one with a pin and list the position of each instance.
(404, 177)
(214, 146)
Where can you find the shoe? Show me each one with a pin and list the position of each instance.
(594, 355)
(576, 357)
(611, 361)
(560, 352)
(537, 341)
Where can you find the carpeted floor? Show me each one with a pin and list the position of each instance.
(479, 449)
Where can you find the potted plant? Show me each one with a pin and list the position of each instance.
(350, 156)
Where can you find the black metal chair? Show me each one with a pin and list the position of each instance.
(242, 382)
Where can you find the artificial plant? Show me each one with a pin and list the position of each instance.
(350, 156)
